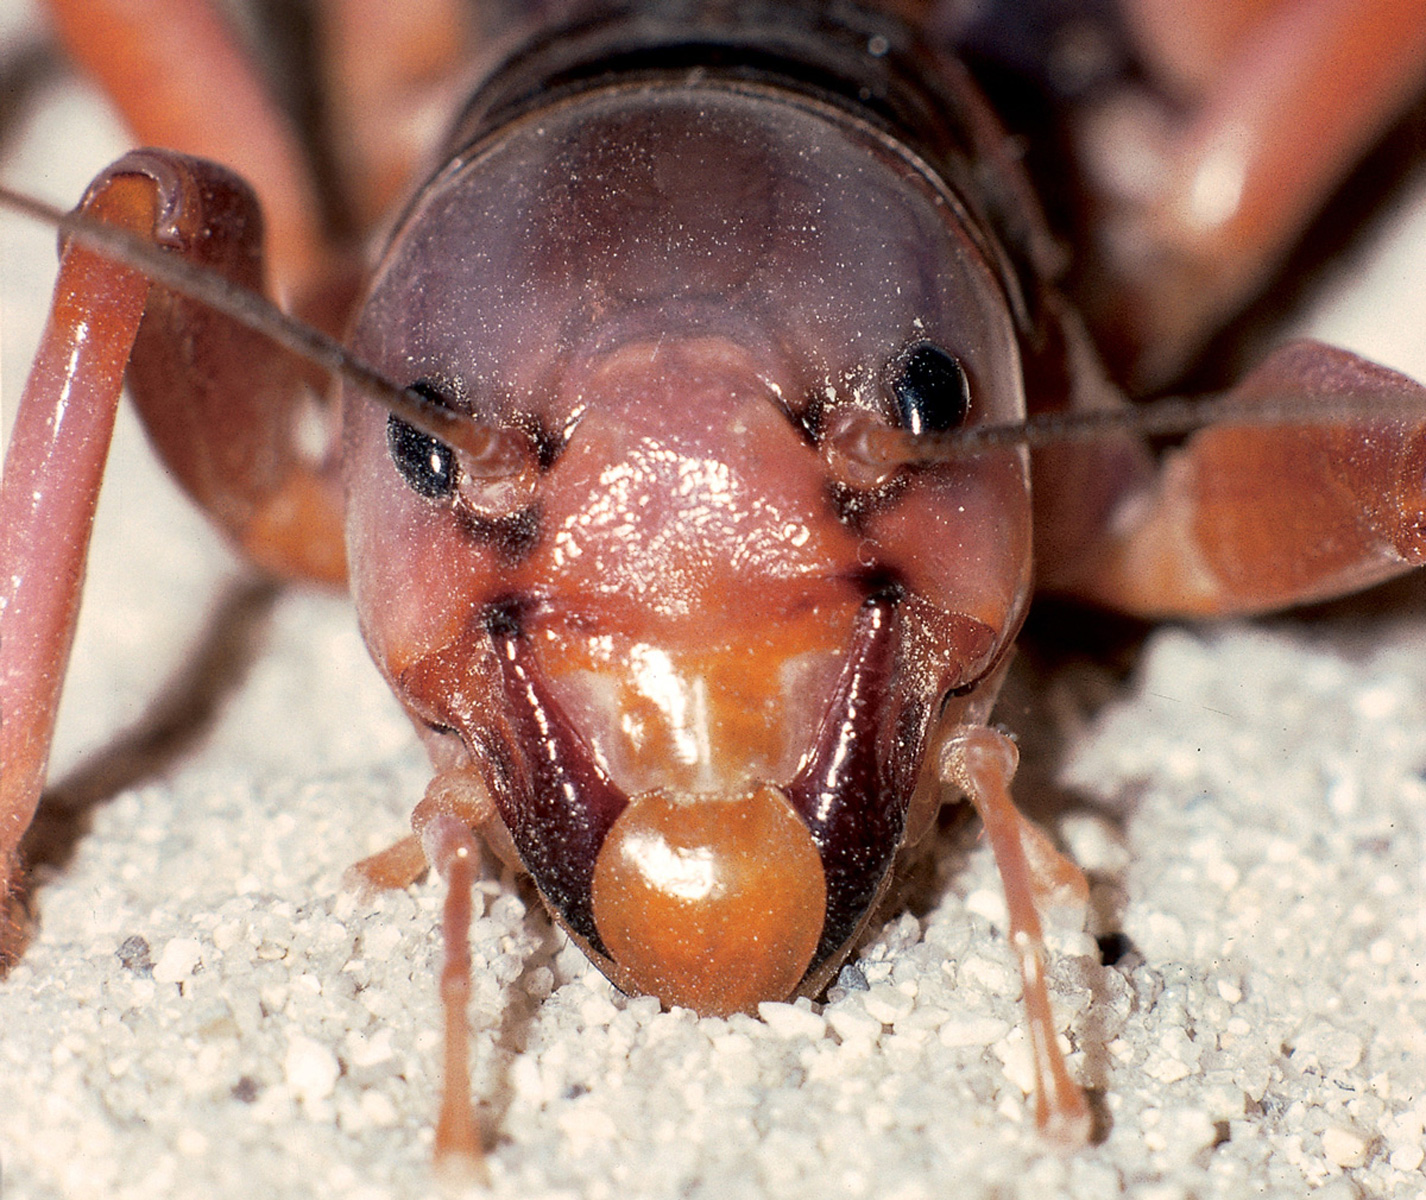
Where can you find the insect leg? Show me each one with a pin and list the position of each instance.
(452, 849)
(390, 72)
(1210, 205)
(218, 402)
(456, 802)
(1248, 518)
(1189, 45)
(47, 501)
(981, 762)
(178, 75)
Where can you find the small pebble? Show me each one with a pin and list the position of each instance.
(1407, 1158)
(973, 1031)
(177, 961)
(1344, 1146)
(311, 1069)
(790, 1021)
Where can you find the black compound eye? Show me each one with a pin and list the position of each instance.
(931, 390)
(427, 465)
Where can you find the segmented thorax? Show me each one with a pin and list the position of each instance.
(691, 639)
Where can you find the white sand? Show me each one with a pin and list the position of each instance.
(1261, 830)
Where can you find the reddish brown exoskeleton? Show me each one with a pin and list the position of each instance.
(664, 555)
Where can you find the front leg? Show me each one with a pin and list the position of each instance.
(981, 762)
(455, 804)
(219, 404)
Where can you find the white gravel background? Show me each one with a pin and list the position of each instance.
(207, 1011)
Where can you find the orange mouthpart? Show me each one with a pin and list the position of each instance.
(713, 904)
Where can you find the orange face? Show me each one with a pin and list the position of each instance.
(692, 646)
(703, 599)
